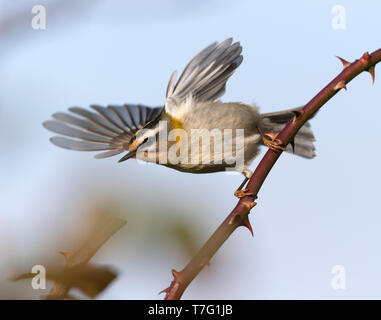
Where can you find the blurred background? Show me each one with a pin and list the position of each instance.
(311, 215)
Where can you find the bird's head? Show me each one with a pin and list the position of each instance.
(144, 140)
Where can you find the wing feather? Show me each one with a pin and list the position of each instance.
(205, 76)
(110, 129)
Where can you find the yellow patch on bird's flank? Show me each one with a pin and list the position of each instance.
(176, 124)
(176, 118)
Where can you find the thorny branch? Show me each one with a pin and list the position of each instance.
(239, 215)
(78, 259)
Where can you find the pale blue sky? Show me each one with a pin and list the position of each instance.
(311, 214)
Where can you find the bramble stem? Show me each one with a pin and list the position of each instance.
(239, 215)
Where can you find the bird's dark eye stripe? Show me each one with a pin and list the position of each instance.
(132, 139)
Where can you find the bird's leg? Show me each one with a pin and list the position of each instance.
(240, 193)
(273, 143)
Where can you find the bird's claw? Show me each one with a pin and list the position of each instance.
(242, 193)
(274, 144)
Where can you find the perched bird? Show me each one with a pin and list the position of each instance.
(170, 135)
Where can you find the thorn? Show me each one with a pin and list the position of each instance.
(344, 62)
(164, 291)
(175, 274)
(176, 277)
(365, 58)
(250, 205)
(246, 223)
(340, 85)
(297, 113)
(372, 73)
(205, 262)
(67, 255)
(292, 142)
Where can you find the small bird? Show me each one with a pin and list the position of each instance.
(165, 134)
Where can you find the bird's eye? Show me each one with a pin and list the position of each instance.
(145, 140)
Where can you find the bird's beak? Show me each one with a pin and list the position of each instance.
(129, 155)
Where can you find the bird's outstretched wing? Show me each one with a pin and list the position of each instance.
(108, 129)
(205, 76)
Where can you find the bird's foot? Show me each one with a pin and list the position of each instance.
(242, 193)
(274, 144)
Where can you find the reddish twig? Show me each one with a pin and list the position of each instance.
(239, 215)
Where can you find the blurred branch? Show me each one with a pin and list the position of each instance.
(89, 278)
(77, 260)
(239, 215)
